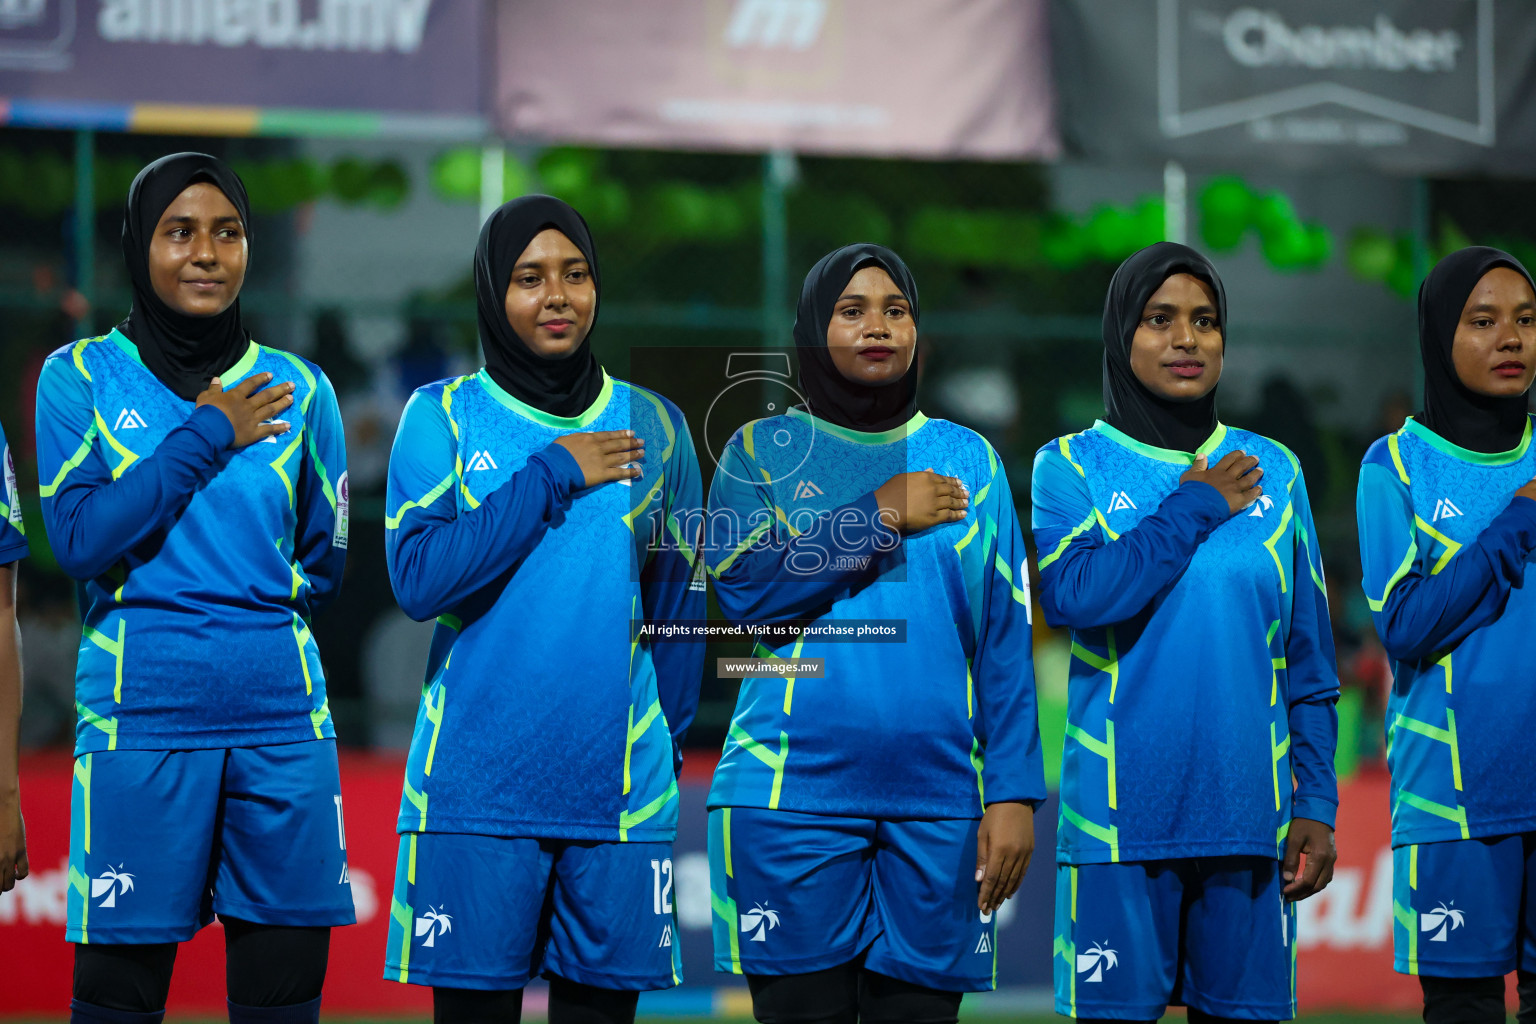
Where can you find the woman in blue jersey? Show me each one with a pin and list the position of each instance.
(867, 821)
(203, 526)
(537, 509)
(1447, 519)
(1202, 677)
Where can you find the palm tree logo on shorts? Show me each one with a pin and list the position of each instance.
(1444, 917)
(1097, 958)
(432, 924)
(111, 883)
(760, 918)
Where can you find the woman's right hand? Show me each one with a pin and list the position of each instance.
(249, 409)
(910, 502)
(1528, 491)
(605, 455)
(1236, 476)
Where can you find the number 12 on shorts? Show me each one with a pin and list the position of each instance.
(661, 892)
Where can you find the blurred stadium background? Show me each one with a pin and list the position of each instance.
(1014, 151)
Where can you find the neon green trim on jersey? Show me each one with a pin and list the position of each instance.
(751, 539)
(635, 731)
(83, 776)
(582, 419)
(1110, 664)
(1274, 538)
(129, 458)
(1451, 546)
(666, 421)
(1064, 444)
(978, 762)
(453, 622)
(301, 636)
(106, 725)
(1440, 444)
(1006, 572)
(1413, 866)
(1409, 919)
(1405, 567)
(277, 465)
(418, 801)
(897, 433)
(1397, 456)
(1077, 531)
(725, 844)
(1452, 814)
(403, 916)
(629, 820)
(763, 754)
(78, 351)
(112, 647)
(725, 908)
(48, 490)
(1446, 663)
(434, 715)
(1105, 748)
(645, 502)
(690, 554)
(1109, 835)
(318, 716)
(969, 535)
(393, 522)
(1277, 753)
(1125, 440)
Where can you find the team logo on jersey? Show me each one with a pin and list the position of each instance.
(1120, 500)
(481, 460)
(666, 937)
(111, 883)
(1444, 509)
(629, 481)
(1262, 505)
(129, 419)
(806, 489)
(1444, 918)
(432, 924)
(1097, 958)
(760, 920)
(270, 438)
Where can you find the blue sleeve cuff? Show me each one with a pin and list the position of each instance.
(210, 423)
(1315, 808)
(882, 536)
(563, 467)
(14, 552)
(1205, 501)
(1521, 514)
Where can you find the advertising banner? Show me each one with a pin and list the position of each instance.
(923, 78)
(1414, 86)
(402, 56)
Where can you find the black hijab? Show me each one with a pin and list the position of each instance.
(830, 395)
(560, 387)
(1129, 405)
(184, 352)
(1451, 409)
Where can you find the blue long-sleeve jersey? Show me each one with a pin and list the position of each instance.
(1444, 552)
(1202, 675)
(934, 727)
(544, 713)
(13, 532)
(199, 566)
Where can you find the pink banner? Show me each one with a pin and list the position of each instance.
(916, 78)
